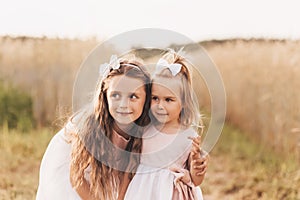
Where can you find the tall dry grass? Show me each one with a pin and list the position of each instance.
(262, 81)
(46, 69)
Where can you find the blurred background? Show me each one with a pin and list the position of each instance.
(255, 45)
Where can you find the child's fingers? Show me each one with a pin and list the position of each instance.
(202, 172)
(197, 152)
(194, 155)
(199, 161)
(196, 143)
(205, 155)
(199, 165)
(196, 148)
(196, 139)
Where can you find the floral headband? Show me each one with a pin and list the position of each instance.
(114, 63)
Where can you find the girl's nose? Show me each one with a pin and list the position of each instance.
(160, 106)
(123, 103)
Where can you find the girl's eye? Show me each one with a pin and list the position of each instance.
(115, 95)
(133, 96)
(154, 98)
(169, 99)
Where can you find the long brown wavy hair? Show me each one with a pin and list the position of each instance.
(92, 148)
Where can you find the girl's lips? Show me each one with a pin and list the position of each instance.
(161, 113)
(124, 113)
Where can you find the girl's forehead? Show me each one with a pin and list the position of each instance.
(173, 85)
(125, 83)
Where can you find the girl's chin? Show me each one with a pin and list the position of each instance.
(161, 119)
(124, 124)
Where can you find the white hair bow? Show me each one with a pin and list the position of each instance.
(105, 68)
(174, 67)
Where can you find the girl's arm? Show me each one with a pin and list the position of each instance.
(198, 161)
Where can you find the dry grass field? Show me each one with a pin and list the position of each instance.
(20, 158)
(259, 160)
(242, 168)
(262, 79)
(239, 168)
(46, 69)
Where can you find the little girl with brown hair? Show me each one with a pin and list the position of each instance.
(97, 152)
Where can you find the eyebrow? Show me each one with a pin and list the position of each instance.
(170, 97)
(117, 91)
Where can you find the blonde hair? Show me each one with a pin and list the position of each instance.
(190, 114)
(94, 129)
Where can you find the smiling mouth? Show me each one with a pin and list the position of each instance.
(161, 114)
(124, 113)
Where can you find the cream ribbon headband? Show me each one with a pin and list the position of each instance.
(163, 64)
(114, 63)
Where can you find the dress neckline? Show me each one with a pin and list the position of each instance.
(121, 133)
(121, 136)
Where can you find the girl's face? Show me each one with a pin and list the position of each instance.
(126, 98)
(166, 102)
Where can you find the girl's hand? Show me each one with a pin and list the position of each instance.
(199, 157)
(196, 150)
(198, 161)
(199, 165)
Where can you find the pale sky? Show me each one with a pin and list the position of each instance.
(196, 19)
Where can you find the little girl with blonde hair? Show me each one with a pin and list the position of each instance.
(168, 169)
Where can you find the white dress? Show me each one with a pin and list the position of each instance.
(162, 174)
(54, 180)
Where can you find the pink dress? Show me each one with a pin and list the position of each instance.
(162, 174)
(54, 180)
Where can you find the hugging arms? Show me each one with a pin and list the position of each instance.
(97, 157)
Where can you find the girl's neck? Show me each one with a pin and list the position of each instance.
(168, 128)
(122, 130)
